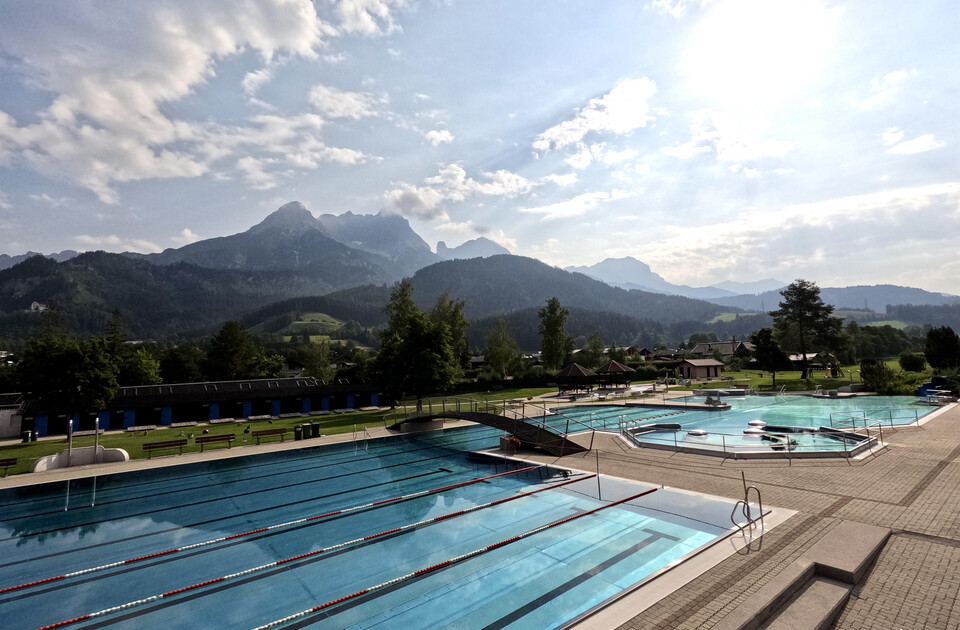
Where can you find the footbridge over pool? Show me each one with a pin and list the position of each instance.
(534, 431)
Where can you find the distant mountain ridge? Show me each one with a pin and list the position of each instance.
(875, 298)
(480, 247)
(7, 261)
(630, 273)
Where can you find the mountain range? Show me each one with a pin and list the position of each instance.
(353, 259)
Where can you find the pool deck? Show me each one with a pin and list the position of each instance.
(911, 487)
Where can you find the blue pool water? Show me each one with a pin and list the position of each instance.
(539, 581)
(791, 411)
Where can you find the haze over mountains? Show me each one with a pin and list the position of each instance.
(294, 254)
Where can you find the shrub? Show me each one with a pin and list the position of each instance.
(912, 361)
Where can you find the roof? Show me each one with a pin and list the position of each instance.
(702, 362)
(575, 369)
(723, 347)
(615, 366)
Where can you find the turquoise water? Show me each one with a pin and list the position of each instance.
(725, 428)
(539, 581)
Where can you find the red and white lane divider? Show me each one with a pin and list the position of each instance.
(395, 530)
(446, 563)
(259, 530)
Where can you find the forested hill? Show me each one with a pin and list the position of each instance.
(503, 284)
(155, 300)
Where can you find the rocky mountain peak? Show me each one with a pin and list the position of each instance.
(289, 218)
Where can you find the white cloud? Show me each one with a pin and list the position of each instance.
(883, 89)
(452, 184)
(625, 108)
(419, 202)
(562, 180)
(579, 205)
(185, 237)
(369, 17)
(675, 8)
(111, 68)
(581, 159)
(437, 137)
(730, 137)
(54, 202)
(892, 136)
(460, 228)
(4, 201)
(920, 144)
(500, 238)
(114, 243)
(255, 174)
(335, 103)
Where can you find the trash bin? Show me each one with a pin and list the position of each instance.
(316, 429)
(298, 432)
(307, 431)
(25, 436)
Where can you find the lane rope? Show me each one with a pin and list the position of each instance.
(165, 552)
(449, 562)
(309, 554)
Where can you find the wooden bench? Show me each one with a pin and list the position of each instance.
(7, 463)
(262, 433)
(207, 439)
(149, 447)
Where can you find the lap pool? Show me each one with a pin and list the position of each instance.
(399, 532)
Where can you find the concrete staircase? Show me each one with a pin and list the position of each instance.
(811, 592)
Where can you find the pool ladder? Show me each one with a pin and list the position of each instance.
(743, 505)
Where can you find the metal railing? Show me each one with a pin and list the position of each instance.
(746, 509)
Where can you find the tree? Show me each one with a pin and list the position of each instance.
(804, 313)
(138, 367)
(942, 348)
(232, 355)
(768, 354)
(66, 374)
(416, 356)
(912, 362)
(182, 364)
(450, 312)
(592, 353)
(315, 357)
(502, 353)
(556, 346)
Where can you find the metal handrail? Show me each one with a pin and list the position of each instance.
(746, 509)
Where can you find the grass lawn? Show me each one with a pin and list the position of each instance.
(133, 442)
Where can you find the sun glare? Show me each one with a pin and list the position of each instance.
(757, 52)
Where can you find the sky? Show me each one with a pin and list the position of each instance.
(712, 139)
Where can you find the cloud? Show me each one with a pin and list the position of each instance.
(334, 103)
(116, 244)
(883, 89)
(623, 109)
(185, 237)
(727, 136)
(920, 144)
(562, 180)
(111, 68)
(419, 202)
(452, 184)
(500, 238)
(255, 174)
(437, 137)
(579, 205)
(892, 136)
(854, 234)
(675, 8)
(53, 202)
(4, 201)
(369, 17)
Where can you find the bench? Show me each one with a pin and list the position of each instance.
(262, 433)
(149, 447)
(7, 463)
(207, 439)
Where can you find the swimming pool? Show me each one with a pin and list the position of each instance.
(753, 423)
(402, 531)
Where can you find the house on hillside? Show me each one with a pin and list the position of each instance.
(724, 348)
(701, 368)
(665, 354)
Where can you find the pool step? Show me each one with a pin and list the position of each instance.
(812, 591)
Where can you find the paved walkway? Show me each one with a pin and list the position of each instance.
(913, 487)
